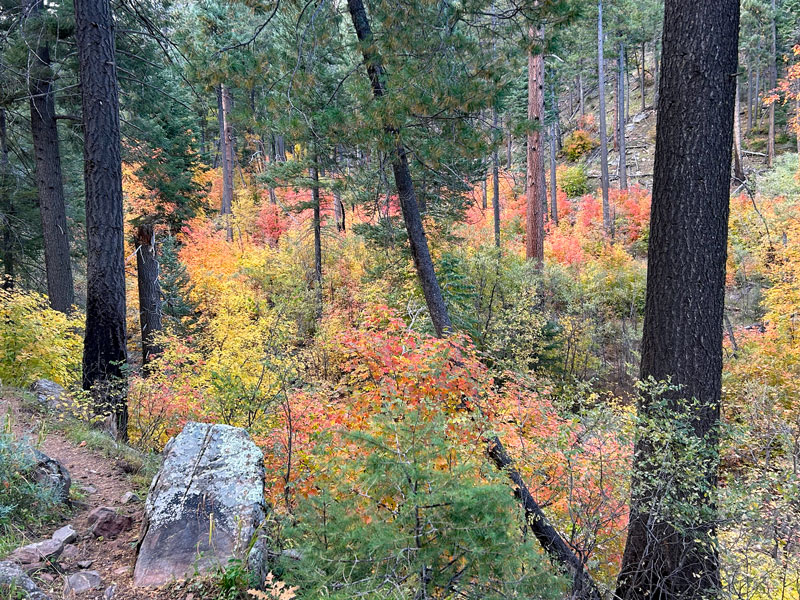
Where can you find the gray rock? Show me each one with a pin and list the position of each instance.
(65, 535)
(84, 564)
(107, 523)
(70, 551)
(204, 506)
(129, 497)
(38, 552)
(109, 593)
(51, 472)
(50, 394)
(80, 582)
(11, 574)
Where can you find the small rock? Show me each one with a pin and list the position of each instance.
(81, 582)
(34, 553)
(89, 489)
(129, 497)
(84, 564)
(122, 571)
(34, 568)
(65, 535)
(109, 593)
(50, 394)
(70, 551)
(105, 522)
(48, 577)
(11, 574)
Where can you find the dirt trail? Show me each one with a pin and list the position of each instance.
(99, 481)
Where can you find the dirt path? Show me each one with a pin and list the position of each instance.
(98, 481)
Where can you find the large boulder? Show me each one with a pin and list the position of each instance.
(204, 507)
(49, 471)
(50, 394)
(12, 577)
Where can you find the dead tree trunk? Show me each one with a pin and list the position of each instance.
(147, 272)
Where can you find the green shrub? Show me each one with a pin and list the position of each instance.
(37, 341)
(407, 510)
(24, 502)
(573, 181)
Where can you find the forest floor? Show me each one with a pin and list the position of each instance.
(100, 477)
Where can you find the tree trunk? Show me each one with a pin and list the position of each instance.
(738, 167)
(656, 71)
(623, 166)
(49, 183)
(534, 223)
(6, 206)
(339, 212)
(601, 87)
(642, 74)
(484, 194)
(496, 183)
(670, 555)
(226, 150)
(402, 177)
(315, 200)
(147, 272)
(749, 95)
(104, 350)
(553, 184)
(773, 79)
(581, 98)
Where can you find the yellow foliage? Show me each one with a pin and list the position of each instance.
(38, 342)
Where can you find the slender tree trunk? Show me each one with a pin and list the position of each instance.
(553, 183)
(623, 166)
(615, 116)
(508, 150)
(226, 150)
(402, 177)
(484, 194)
(581, 98)
(147, 271)
(49, 182)
(773, 78)
(496, 183)
(6, 206)
(601, 87)
(642, 74)
(656, 71)
(671, 554)
(315, 199)
(104, 350)
(534, 229)
(738, 167)
(749, 95)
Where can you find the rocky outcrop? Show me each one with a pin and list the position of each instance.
(204, 507)
(12, 577)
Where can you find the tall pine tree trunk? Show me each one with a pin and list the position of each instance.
(104, 350)
(49, 183)
(642, 75)
(147, 273)
(496, 183)
(534, 222)
(623, 164)
(773, 80)
(317, 222)
(402, 177)
(670, 551)
(6, 207)
(738, 166)
(601, 90)
(226, 152)
(553, 183)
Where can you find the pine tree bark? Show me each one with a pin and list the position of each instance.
(642, 74)
(226, 151)
(601, 90)
(496, 183)
(317, 223)
(47, 155)
(682, 337)
(553, 183)
(623, 157)
(7, 207)
(534, 213)
(420, 252)
(104, 351)
(147, 274)
(773, 81)
(738, 166)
